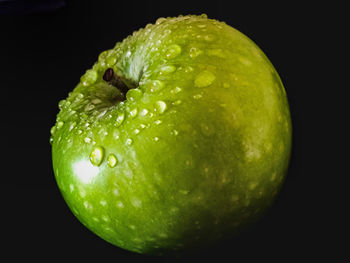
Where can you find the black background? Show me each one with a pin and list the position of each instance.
(43, 54)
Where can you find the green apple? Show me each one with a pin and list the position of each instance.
(176, 138)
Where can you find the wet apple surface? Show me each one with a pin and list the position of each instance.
(177, 137)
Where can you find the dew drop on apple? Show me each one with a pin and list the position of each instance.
(208, 38)
(176, 90)
(120, 119)
(173, 51)
(116, 135)
(61, 104)
(167, 69)
(204, 79)
(161, 106)
(89, 77)
(72, 125)
(59, 124)
(134, 94)
(89, 107)
(188, 69)
(194, 52)
(112, 160)
(96, 101)
(197, 96)
(155, 85)
(96, 155)
(111, 61)
(129, 141)
(53, 130)
(160, 20)
(87, 140)
(144, 112)
(133, 113)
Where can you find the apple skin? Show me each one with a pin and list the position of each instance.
(197, 151)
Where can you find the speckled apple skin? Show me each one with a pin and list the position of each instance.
(197, 151)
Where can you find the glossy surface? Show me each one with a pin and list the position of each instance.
(198, 150)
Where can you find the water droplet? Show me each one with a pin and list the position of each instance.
(216, 52)
(203, 16)
(112, 160)
(156, 139)
(137, 203)
(166, 32)
(96, 101)
(161, 106)
(80, 131)
(160, 20)
(89, 107)
(71, 127)
(133, 113)
(51, 139)
(158, 122)
(136, 131)
(128, 141)
(173, 51)
(245, 61)
(184, 192)
(89, 77)
(96, 155)
(208, 38)
(87, 140)
(175, 132)
(204, 79)
(61, 104)
(144, 112)
(197, 96)
(188, 69)
(59, 124)
(167, 69)
(175, 90)
(134, 94)
(142, 126)
(194, 52)
(120, 119)
(116, 134)
(111, 61)
(128, 54)
(101, 114)
(155, 86)
(53, 130)
(177, 102)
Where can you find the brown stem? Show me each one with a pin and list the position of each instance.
(116, 81)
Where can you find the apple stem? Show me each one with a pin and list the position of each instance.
(117, 81)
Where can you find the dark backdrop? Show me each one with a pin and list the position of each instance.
(45, 48)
